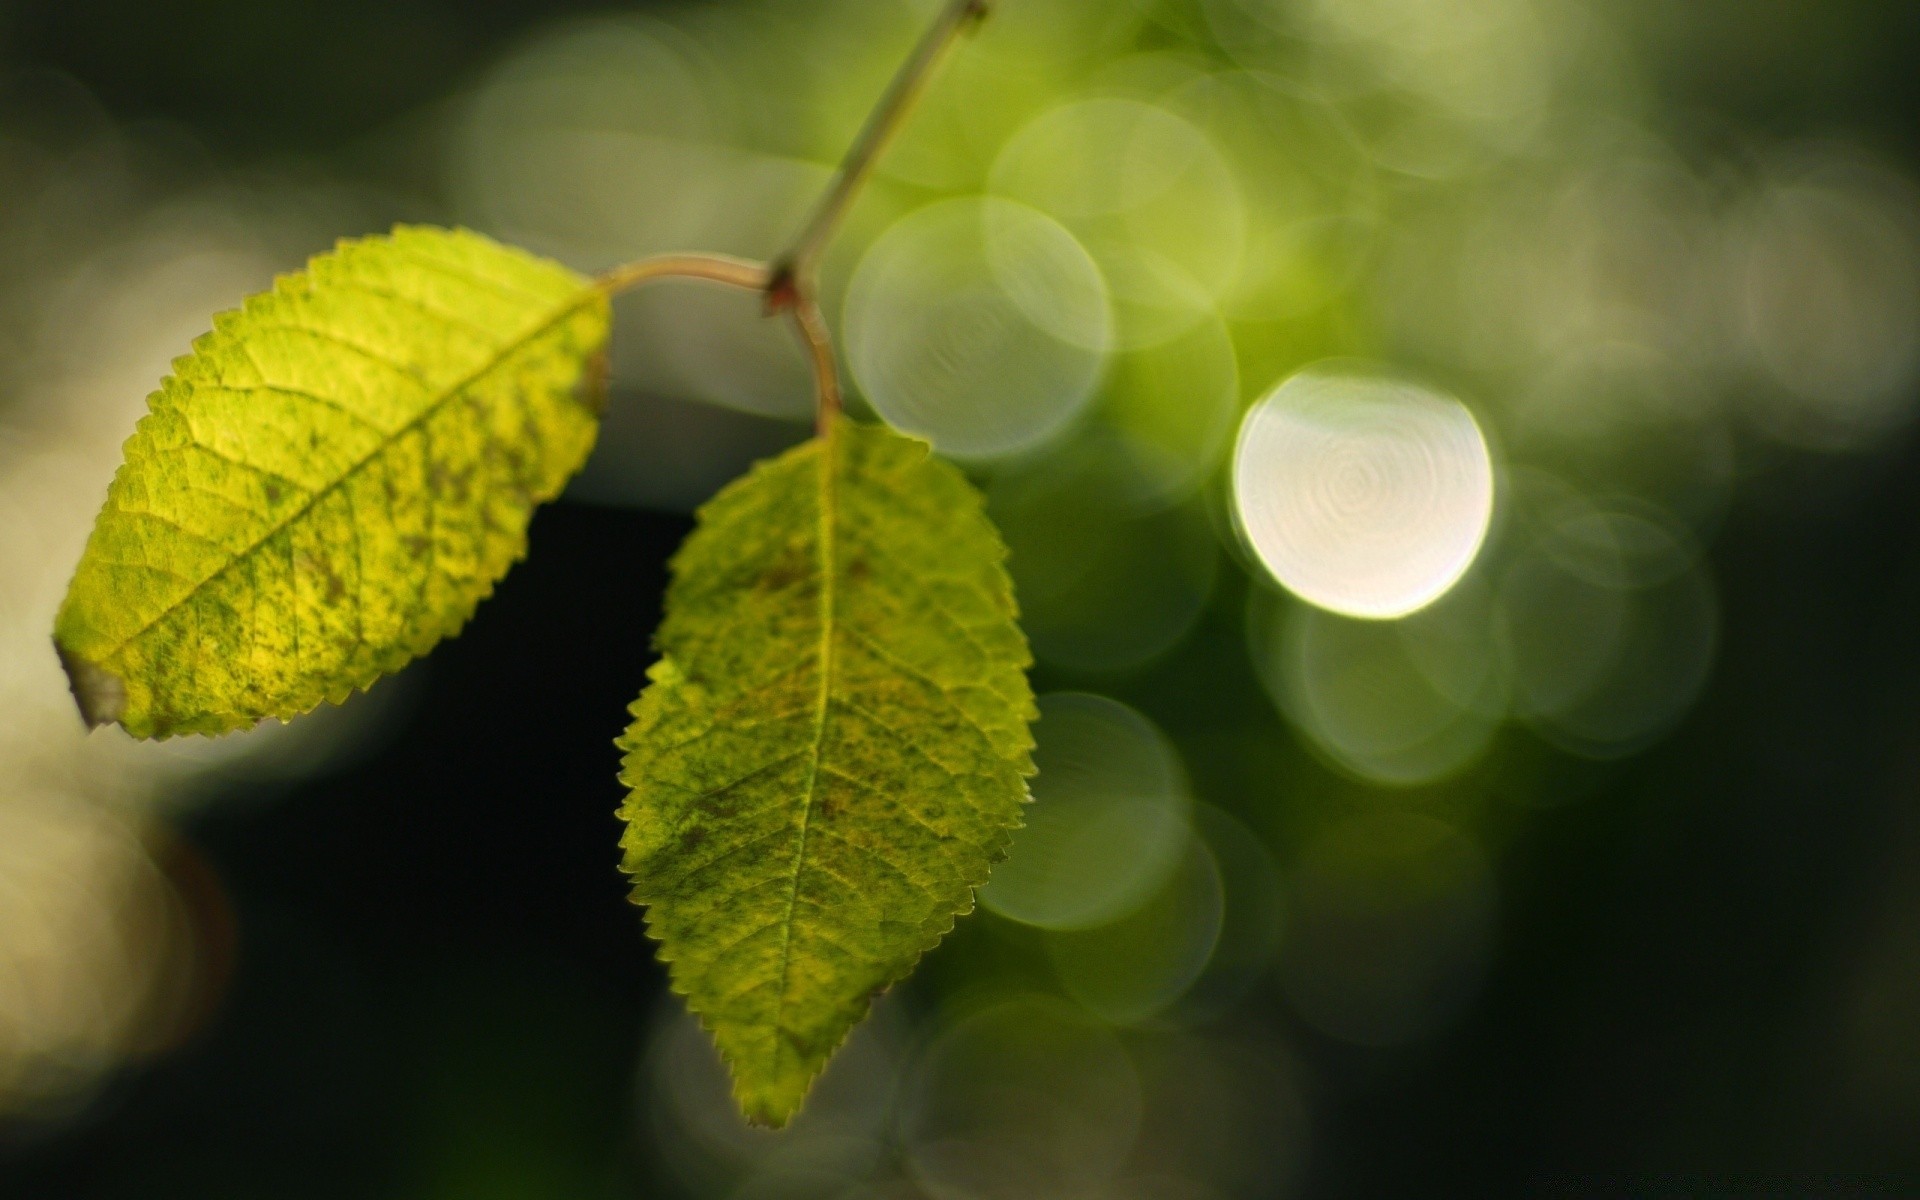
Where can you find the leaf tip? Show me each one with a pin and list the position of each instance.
(765, 1107)
(765, 1117)
(101, 695)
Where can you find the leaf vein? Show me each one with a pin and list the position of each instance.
(419, 421)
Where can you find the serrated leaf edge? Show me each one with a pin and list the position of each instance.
(100, 694)
(934, 932)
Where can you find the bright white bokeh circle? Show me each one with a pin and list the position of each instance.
(1363, 495)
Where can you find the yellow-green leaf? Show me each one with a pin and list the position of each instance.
(332, 481)
(833, 750)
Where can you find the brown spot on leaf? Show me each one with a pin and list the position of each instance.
(101, 695)
(592, 389)
(791, 568)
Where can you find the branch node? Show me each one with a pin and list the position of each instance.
(883, 124)
(789, 285)
(783, 288)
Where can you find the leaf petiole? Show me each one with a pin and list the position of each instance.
(747, 275)
(812, 324)
(714, 268)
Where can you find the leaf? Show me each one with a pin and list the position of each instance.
(833, 750)
(332, 481)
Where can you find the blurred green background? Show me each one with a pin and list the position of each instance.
(1600, 873)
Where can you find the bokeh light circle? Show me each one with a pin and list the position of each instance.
(691, 1118)
(97, 959)
(1141, 965)
(1402, 704)
(979, 324)
(1826, 268)
(1148, 193)
(1026, 1100)
(1363, 495)
(1608, 621)
(1109, 822)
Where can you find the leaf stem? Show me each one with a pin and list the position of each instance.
(790, 283)
(800, 262)
(818, 338)
(742, 273)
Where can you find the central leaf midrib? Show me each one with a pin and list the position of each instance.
(431, 410)
(826, 535)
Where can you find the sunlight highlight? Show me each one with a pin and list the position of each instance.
(1361, 495)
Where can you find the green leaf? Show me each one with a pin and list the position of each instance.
(332, 481)
(833, 750)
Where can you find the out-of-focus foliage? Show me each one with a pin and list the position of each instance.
(115, 938)
(332, 482)
(1112, 230)
(833, 748)
(1115, 230)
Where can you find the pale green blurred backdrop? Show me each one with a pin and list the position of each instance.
(1599, 865)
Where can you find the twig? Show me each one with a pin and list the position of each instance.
(796, 267)
(790, 283)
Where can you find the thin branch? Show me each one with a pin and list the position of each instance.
(788, 284)
(818, 339)
(799, 263)
(714, 268)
